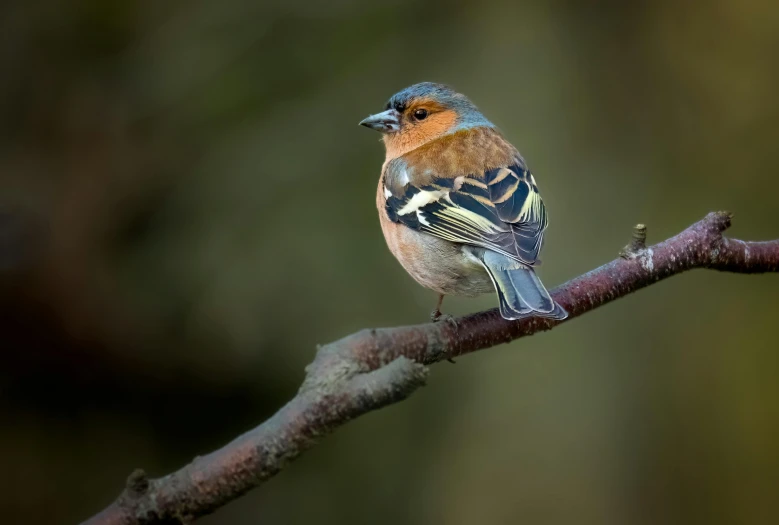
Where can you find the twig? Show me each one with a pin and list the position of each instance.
(376, 367)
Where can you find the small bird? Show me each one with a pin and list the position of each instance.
(458, 206)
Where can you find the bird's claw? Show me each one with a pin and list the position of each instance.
(443, 318)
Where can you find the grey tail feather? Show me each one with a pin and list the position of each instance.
(522, 294)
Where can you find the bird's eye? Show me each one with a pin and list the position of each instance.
(420, 114)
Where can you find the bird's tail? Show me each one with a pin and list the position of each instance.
(520, 291)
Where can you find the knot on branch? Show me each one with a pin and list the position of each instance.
(329, 370)
(637, 243)
(357, 359)
(437, 349)
(137, 483)
(337, 362)
(719, 220)
(389, 384)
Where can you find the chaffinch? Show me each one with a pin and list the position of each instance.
(458, 207)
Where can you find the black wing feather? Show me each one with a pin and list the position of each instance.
(500, 210)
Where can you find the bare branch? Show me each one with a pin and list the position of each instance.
(373, 368)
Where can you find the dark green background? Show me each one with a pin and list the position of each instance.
(187, 209)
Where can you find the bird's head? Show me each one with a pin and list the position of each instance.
(422, 113)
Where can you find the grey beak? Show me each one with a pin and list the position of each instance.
(385, 122)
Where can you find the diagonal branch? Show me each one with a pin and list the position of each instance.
(376, 367)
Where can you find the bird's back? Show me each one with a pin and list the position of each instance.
(465, 152)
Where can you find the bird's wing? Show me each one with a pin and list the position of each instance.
(500, 210)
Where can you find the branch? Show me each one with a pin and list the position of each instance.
(376, 367)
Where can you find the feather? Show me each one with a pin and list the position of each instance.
(520, 291)
(498, 209)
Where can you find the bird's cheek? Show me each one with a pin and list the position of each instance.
(441, 123)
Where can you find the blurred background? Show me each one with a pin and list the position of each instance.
(187, 209)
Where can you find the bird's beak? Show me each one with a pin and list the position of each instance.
(385, 122)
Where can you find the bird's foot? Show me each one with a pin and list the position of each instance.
(437, 317)
(436, 314)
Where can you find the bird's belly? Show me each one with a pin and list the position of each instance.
(435, 263)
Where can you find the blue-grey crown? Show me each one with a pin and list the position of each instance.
(469, 115)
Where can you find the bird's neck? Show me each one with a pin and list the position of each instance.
(464, 152)
(399, 144)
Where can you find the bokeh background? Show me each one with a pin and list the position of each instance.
(187, 209)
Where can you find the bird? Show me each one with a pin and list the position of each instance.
(458, 206)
